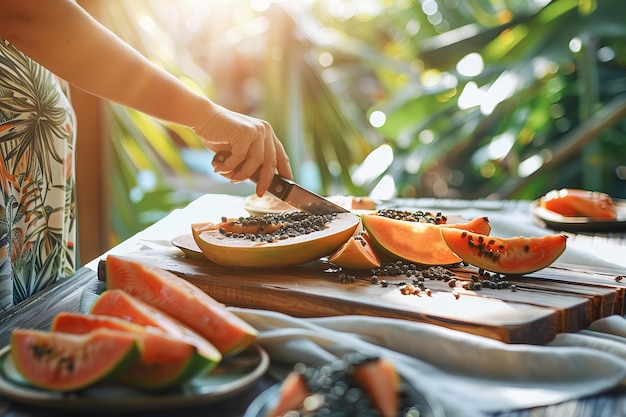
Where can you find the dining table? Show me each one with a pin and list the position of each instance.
(555, 347)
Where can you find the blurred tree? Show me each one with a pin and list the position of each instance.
(443, 98)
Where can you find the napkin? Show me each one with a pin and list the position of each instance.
(467, 375)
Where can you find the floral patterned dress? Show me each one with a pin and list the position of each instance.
(37, 210)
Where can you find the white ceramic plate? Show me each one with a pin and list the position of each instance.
(231, 376)
(555, 221)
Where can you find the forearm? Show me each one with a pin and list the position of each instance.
(62, 37)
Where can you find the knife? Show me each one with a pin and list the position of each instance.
(293, 194)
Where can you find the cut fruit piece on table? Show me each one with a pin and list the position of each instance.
(119, 303)
(414, 241)
(164, 361)
(509, 256)
(69, 362)
(356, 253)
(182, 300)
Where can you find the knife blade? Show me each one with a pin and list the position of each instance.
(294, 194)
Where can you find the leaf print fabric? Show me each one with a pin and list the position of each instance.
(37, 204)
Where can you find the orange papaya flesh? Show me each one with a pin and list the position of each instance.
(69, 362)
(293, 392)
(120, 304)
(580, 203)
(416, 241)
(509, 256)
(314, 388)
(356, 253)
(381, 382)
(299, 245)
(164, 361)
(182, 300)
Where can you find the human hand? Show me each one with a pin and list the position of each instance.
(251, 144)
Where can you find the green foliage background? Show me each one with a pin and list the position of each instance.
(555, 72)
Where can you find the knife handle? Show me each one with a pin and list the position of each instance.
(220, 157)
(279, 187)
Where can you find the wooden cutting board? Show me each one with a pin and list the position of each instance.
(558, 299)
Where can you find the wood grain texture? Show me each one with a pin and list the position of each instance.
(551, 301)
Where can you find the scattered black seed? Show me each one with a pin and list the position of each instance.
(619, 278)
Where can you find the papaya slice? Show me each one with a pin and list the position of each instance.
(277, 240)
(356, 253)
(509, 256)
(415, 241)
(381, 382)
(68, 362)
(164, 361)
(120, 304)
(580, 203)
(182, 300)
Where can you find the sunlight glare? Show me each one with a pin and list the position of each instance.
(471, 96)
(501, 145)
(378, 118)
(575, 45)
(326, 59)
(430, 7)
(530, 165)
(193, 24)
(500, 90)
(260, 5)
(471, 65)
(542, 67)
(426, 136)
(374, 165)
(385, 189)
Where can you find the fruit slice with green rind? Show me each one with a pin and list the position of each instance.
(181, 300)
(120, 304)
(69, 362)
(298, 249)
(510, 256)
(415, 241)
(164, 361)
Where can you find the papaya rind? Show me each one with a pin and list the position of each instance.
(110, 365)
(302, 249)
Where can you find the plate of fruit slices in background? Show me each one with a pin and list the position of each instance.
(556, 221)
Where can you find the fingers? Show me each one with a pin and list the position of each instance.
(246, 148)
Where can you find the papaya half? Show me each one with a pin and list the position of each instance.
(510, 256)
(417, 241)
(271, 241)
